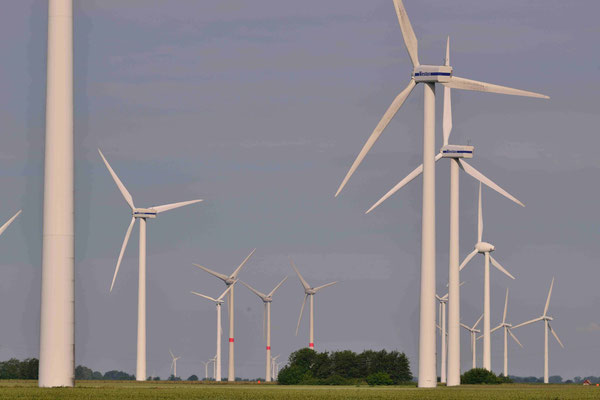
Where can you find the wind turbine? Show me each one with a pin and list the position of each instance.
(473, 331)
(309, 291)
(429, 75)
(274, 366)
(140, 214)
(206, 364)
(174, 364)
(507, 331)
(443, 300)
(57, 313)
(218, 301)
(229, 280)
(457, 155)
(485, 249)
(267, 299)
(546, 318)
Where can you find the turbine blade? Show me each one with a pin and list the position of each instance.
(324, 286)
(556, 336)
(123, 246)
(222, 277)
(531, 321)
(548, 298)
(237, 270)
(478, 321)
(416, 172)
(447, 60)
(500, 267)
(171, 353)
(277, 287)
(465, 326)
(226, 291)
(304, 283)
(485, 180)
(203, 295)
(301, 311)
(469, 84)
(167, 207)
(385, 120)
(410, 40)
(120, 185)
(480, 218)
(514, 337)
(466, 260)
(495, 328)
(7, 223)
(447, 118)
(505, 307)
(256, 292)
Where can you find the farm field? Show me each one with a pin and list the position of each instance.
(189, 390)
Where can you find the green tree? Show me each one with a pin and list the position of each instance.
(478, 376)
(83, 373)
(379, 378)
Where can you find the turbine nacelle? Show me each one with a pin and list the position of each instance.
(432, 73)
(456, 151)
(144, 213)
(310, 291)
(484, 247)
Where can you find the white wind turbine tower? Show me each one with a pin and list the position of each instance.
(309, 292)
(485, 249)
(140, 214)
(229, 280)
(267, 299)
(218, 301)
(173, 364)
(456, 154)
(473, 331)
(507, 331)
(429, 75)
(546, 318)
(57, 313)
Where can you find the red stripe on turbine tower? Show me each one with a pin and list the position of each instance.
(268, 347)
(230, 340)
(311, 345)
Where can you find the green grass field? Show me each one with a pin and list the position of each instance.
(189, 390)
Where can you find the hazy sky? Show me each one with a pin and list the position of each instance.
(259, 108)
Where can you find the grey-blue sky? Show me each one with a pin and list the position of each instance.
(259, 108)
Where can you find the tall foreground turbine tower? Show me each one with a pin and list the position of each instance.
(57, 341)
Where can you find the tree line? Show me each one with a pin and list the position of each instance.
(308, 367)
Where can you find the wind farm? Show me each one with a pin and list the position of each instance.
(260, 127)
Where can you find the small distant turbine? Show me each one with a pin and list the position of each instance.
(507, 331)
(140, 214)
(485, 249)
(274, 366)
(229, 280)
(473, 331)
(309, 292)
(546, 318)
(443, 300)
(173, 364)
(218, 301)
(267, 299)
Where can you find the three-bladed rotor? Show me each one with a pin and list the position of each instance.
(228, 279)
(443, 74)
(136, 212)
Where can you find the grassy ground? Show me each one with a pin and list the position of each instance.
(188, 390)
